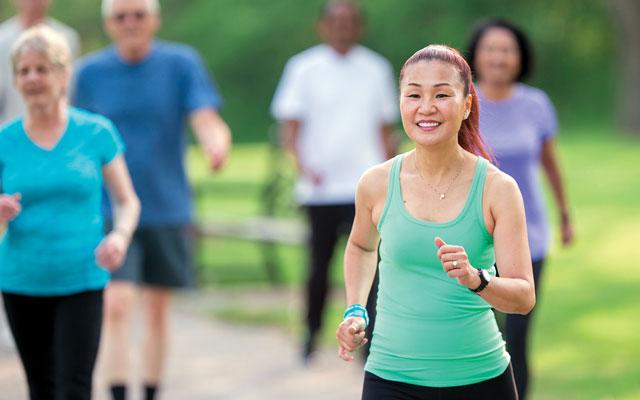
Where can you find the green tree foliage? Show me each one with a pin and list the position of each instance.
(247, 42)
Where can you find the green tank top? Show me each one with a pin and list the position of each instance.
(430, 330)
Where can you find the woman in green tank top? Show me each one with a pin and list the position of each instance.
(443, 215)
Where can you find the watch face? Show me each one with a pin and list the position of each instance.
(486, 275)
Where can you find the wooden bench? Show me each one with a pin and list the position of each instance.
(267, 232)
(260, 229)
(277, 224)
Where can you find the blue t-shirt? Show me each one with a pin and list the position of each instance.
(150, 102)
(48, 248)
(516, 129)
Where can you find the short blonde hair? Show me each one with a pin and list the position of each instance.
(45, 41)
(152, 6)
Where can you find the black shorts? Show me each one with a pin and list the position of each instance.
(159, 256)
(502, 387)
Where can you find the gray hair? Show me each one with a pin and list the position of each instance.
(152, 6)
(45, 41)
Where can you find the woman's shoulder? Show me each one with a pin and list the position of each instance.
(532, 95)
(375, 179)
(500, 185)
(379, 173)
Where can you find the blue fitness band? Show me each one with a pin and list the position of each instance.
(357, 310)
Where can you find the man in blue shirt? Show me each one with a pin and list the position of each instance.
(149, 89)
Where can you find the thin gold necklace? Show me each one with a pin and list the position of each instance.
(442, 195)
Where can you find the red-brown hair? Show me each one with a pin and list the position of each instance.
(469, 134)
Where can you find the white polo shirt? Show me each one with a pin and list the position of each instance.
(11, 105)
(341, 101)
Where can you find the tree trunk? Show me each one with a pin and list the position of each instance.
(626, 14)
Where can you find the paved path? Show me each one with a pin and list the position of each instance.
(215, 360)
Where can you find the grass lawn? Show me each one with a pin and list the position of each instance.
(585, 339)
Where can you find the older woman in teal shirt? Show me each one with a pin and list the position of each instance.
(54, 257)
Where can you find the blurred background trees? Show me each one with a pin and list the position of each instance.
(626, 14)
(247, 42)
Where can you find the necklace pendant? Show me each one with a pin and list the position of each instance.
(442, 196)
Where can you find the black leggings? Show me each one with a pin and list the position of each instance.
(328, 223)
(501, 387)
(57, 338)
(517, 337)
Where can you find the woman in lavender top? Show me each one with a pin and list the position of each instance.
(519, 124)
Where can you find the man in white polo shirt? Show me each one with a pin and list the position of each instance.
(336, 103)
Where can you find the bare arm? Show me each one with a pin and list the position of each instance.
(289, 137)
(550, 167)
(361, 256)
(513, 292)
(126, 206)
(213, 134)
(289, 133)
(360, 261)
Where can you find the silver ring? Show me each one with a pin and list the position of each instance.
(455, 263)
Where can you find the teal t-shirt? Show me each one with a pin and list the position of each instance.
(430, 330)
(48, 249)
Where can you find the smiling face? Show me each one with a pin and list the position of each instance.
(497, 59)
(41, 83)
(433, 102)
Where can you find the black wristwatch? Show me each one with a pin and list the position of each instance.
(485, 278)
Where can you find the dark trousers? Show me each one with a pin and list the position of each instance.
(501, 387)
(517, 337)
(57, 339)
(328, 223)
